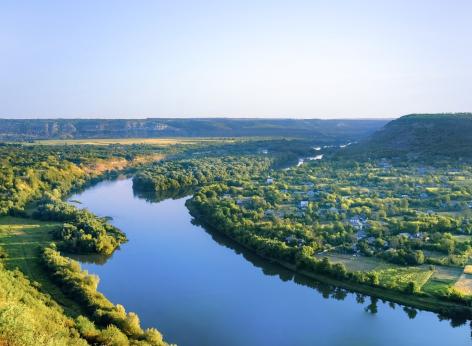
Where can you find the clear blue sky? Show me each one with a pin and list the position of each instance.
(238, 58)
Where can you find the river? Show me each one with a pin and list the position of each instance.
(199, 288)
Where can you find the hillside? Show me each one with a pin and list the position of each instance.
(31, 129)
(421, 136)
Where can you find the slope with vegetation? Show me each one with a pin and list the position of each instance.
(48, 299)
(428, 137)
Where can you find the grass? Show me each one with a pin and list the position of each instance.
(400, 277)
(358, 263)
(464, 284)
(430, 280)
(442, 278)
(22, 240)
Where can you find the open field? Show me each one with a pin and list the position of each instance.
(358, 263)
(127, 141)
(428, 279)
(400, 277)
(442, 278)
(464, 284)
(22, 240)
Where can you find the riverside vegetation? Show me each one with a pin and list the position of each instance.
(369, 218)
(49, 300)
(384, 225)
(46, 297)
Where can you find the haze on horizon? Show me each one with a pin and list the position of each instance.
(307, 59)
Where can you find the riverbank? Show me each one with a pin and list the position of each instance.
(446, 308)
(201, 288)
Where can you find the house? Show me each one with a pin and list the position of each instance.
(303, 204)
(424, 195)
(370, 240)
(265, 151)
(360, 235)
(269, 212)
(269, 180)
(280, 213)
(333, 210)
(357, 223)
(294, 240)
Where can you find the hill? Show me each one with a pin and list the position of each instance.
(32, 129)
(423, 136)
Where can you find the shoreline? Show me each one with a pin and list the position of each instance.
(423, 302)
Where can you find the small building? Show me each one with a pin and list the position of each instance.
(334, 210)
(269, 212)
(303, 204)
(270, 181)
(424, 195)
(356, 222)
(291, 239)
(360, 235)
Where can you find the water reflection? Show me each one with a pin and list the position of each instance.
(192, 284)
(159, 196)
(327, 291)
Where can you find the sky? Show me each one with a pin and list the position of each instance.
(290, 59)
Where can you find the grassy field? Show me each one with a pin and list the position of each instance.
(22, 240)
(400, 277)
(429, 279)
(442, 278)
(358, 263)
(153, 141)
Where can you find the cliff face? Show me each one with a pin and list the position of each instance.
(29, 129)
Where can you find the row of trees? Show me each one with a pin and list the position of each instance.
(120, 327)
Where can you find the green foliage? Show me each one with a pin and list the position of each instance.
(175, 175)
(83, 287)
(403, 214)
(82, 231)
(426, 137)
(28, 317)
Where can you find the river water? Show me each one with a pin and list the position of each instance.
(199, 288)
